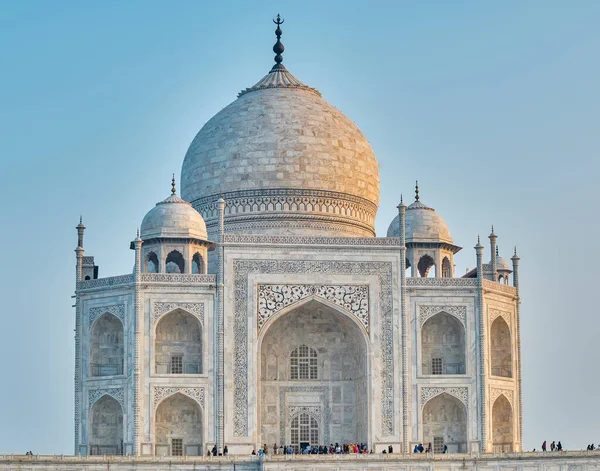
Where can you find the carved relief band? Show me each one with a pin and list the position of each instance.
(241, 271)
(352, 298)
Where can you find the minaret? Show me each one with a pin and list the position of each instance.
(79, 250)
(482, 410)
(220, 396)
(404, 323)
(494, 253)
(515, 263)
(138, 328)
(78, 277)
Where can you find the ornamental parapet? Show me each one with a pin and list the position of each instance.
(499, 287)
(256, 239)
(441, 282)
(125, 280)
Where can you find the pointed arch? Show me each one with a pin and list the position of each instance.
(445, 423)
(443, 345)
(198, 264)
(446, 268)
(151, 263)
(106, 427)
(178, 344)
(178, 425)
(501, 348)
(107, 350)
(424, 265)
(502, 425)
(174, 262)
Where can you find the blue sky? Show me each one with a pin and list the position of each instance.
(492, 106)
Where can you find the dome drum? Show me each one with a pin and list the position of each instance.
(292, 212)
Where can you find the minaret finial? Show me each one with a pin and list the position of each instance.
(497, 251)
(173, 190)
(417, 190)
(401, 199)
(278, 47)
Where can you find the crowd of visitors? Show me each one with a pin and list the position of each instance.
(553, 446)
(318, 449)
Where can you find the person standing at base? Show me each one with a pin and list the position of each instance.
(544, 446)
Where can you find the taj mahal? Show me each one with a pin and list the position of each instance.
(263, 308)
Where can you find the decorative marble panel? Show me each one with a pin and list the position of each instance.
(116, 393)
(495, 393)
(243, 268)
(159, 393)
(426, 312)
(117, 310)
(426, 282)
(197, 309)
(494, 313)
(507, 289)
(428, 393)
(352, 298)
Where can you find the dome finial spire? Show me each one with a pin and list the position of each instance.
(417, 190)
(173, 190)
(278, 47)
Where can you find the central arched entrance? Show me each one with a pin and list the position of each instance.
(313, 378)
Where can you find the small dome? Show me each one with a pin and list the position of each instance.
(422, 224)
(173, 218)
(501, 264)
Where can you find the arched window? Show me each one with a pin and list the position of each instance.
(151, 263)
(106, 346)
(303, 363)
(446, 268)
(304, 431)
(106, 427)
(198, 264)
(443, 345)
(178, 426)
(502, 425)
(501, 349)
(174, 262)
(178, 345)
(424, 265)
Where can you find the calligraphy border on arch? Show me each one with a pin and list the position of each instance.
(243, 268)
(272, 298)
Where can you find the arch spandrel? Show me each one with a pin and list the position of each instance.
(162, 309)
(427, 394)
(427, 312)
(159, 394)
(117, 310)
(275, 298)
(94, 395)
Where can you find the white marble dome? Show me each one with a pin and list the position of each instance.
(286, 162)
(173, 218)
(422, 224)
